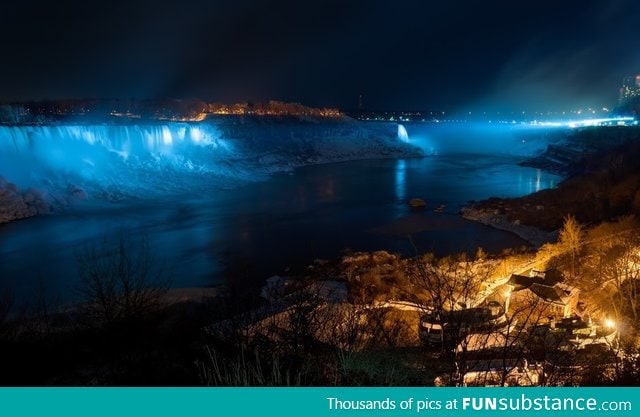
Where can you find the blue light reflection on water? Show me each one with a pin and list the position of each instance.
(288, 220)
(401, 174)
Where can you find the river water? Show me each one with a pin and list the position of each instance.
(282, 223)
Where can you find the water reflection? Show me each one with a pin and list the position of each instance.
(532, 182)
(401, 180)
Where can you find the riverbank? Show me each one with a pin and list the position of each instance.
(491, 217)
(602, 182)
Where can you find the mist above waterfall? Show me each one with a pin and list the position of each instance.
(480, 138)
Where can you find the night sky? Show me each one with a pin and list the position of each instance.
(453, 55)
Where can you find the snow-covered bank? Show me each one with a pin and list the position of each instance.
(535, 236)
(119, 161)
(15, 204)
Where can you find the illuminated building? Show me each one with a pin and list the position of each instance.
(630, 88)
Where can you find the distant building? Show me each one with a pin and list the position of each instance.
(630, 89)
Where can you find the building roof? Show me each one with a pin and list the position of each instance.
(558, 294)
(550, 277)
(548, 294)
(546, 285)
(520, 282)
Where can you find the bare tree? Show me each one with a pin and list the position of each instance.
(516, 344)
(571, 239)
(623, 272)
(448, 288)
(121, 282)
(446, 284)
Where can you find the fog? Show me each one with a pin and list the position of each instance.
(479, 138)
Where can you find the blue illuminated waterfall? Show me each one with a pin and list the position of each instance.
(121, 139)
(107, 152)
(402, 134)
(180, 156)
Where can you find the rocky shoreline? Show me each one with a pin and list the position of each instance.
(493, 218)
(16, 205)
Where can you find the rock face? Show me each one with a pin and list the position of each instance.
(15, 205)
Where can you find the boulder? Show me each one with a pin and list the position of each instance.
(417, 203)
(15, 205)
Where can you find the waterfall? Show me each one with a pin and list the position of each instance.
(45, 168)
(402, 134)
(121, 139)
(158, 156)
(32, 154)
